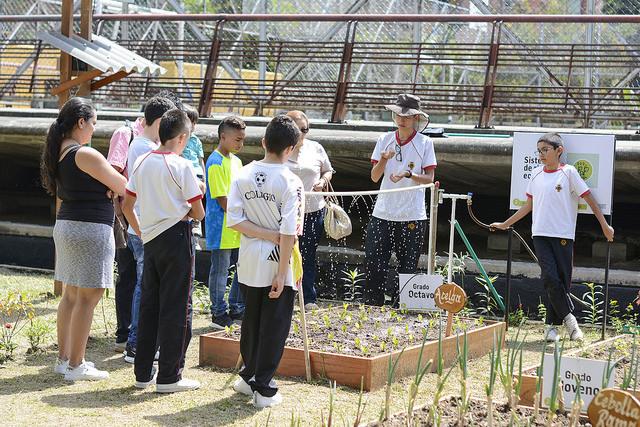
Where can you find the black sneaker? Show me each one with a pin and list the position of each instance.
(237, 318)
(222, 322)
(130, 354)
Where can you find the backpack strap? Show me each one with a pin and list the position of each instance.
(127, 123)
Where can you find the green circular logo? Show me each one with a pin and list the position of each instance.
(584, 168)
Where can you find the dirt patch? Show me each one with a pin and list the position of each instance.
(476, 416)
(361, 330)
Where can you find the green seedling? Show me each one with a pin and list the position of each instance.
(417, 379)
(493, 371)
(391, 372)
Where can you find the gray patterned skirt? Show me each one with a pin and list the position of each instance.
(85, 253)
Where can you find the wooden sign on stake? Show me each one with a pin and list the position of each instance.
(612, 407)
(451, 298)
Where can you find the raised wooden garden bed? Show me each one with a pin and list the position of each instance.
(597, 350)
(367, 361)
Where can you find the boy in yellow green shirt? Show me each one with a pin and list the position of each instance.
(222, 241)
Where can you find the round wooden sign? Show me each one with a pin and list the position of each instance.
(612, 407)
(450, 297)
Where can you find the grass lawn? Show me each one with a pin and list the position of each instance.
(31, 394)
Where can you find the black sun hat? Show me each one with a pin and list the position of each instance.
(407, 105)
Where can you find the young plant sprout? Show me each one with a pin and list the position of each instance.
(631, 375)
(434, 414)
(538, 394)
(361, 406)
(574, 417)
(420, 373)
(506, 373)
(463, 357)
(332, 396)
(493, 371)
(606, 375)
(556, 391)
(391, 372)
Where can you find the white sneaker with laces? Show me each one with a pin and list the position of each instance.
(62, 365)
(260, 401)
(571, 323)
(182, 385)
(84, 372)
(551, 334)
(144, 384)
(241, 386)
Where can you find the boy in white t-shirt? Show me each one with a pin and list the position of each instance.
(553, 194)
(266, 205)
(404, 158)
(166, 189)
(140, 145)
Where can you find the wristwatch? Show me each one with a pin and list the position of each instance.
(410, 173)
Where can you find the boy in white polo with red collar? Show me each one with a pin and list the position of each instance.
(553, 194)
(404, 158)
(165, 187)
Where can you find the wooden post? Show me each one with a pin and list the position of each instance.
(86, 31)
(66, 28)
(305, 340)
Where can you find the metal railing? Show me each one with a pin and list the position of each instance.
(495, 78)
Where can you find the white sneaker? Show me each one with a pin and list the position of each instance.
(311, 306)
(182, 385)
(62, 365)
(260, 401)
(119, 347)
(84, 372)
(571, 323)
(241, 386)
(551, 334)
(144, 384)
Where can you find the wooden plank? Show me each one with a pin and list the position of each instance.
(86, 31)
(109, 79)
(84, 77)
(66, 28)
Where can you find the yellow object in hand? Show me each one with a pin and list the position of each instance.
(296, 265)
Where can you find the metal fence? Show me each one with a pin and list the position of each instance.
(468, 64)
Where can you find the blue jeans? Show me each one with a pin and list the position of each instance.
(221, 260)
(313, 228)
(136, 246)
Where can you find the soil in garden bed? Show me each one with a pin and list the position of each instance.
(360, 330)
(621, 351)
(476, 416)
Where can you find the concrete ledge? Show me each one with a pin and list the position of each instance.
(20, 229)
(618, 251)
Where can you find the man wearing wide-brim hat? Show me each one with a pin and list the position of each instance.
(403, 159)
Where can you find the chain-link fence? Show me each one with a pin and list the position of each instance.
(545, 73)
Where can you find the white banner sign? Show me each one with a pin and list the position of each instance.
(590, 373)
(417, 291)
(592, 155)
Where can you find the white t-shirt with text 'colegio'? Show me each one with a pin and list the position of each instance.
(416, 155)
(555, 195)
(272, 197)
(164, 185)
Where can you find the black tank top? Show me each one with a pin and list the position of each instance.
(84, 198)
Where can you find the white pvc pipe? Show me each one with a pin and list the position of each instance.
(451, 238)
